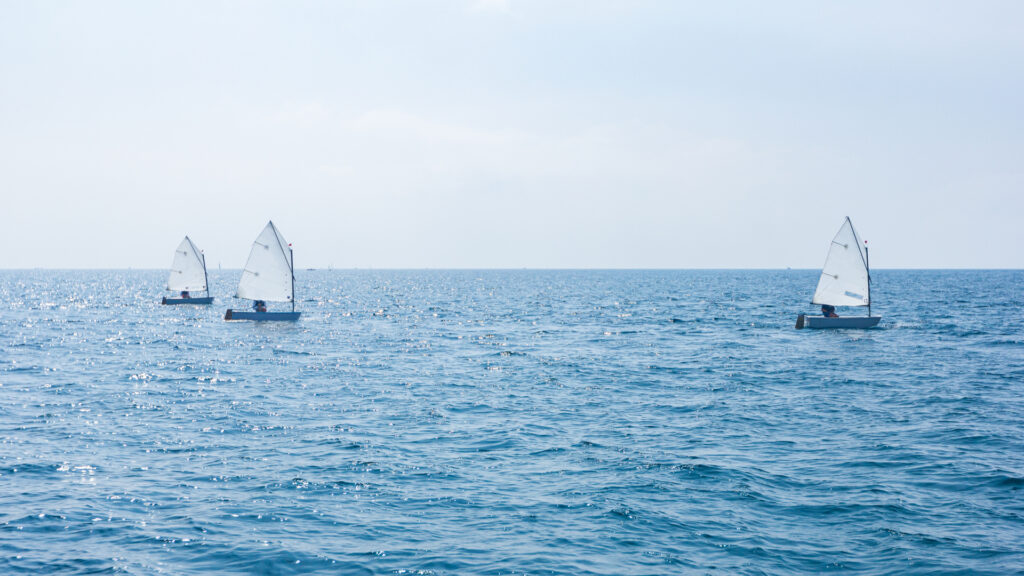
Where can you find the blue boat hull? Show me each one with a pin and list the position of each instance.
(262, 316)
(204, 300)
(821, 322)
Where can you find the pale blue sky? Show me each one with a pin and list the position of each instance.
(512, 134)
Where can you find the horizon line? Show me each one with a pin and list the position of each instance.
(526, 268)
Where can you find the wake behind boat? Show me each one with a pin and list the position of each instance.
(188, 274)
(845, 281)
(268, 276)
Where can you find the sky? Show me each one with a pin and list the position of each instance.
(509, 134)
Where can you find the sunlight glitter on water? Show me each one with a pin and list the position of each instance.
(511, 422)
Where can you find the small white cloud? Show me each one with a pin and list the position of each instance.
(308, 113)
(398, 124)
(492, 5)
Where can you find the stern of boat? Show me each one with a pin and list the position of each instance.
(844, 322)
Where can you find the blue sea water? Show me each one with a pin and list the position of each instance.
(512, 422)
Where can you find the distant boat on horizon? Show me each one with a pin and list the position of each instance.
(188, 274)
(268, 276)
(845, 281)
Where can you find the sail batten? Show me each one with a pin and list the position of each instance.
(844, 278)
(269, 269)
(188, 270)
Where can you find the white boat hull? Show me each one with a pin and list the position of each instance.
(172, 301)
(262, 316)
(821, 322)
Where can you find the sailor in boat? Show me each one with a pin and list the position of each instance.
(259, 305)
(185, 295)
(829, 311)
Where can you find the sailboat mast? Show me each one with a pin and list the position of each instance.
(292, 254)
(206, 277)
(867, 265)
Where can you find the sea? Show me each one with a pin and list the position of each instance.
(439, 422)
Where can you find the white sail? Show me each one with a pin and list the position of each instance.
(844, 279)
(268, 272)
(188, 270)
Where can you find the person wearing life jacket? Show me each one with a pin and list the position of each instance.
(259, 305)
(185, 294)
(829, 311)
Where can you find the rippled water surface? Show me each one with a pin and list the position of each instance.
(512, 422)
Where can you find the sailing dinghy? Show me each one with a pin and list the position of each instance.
(188, 274)
(845, 281)
(268, 276)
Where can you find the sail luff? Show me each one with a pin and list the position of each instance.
(201, 261)
(282, 244)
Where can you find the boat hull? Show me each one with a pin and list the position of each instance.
(174, 301)
(821, 322)
(262, 316)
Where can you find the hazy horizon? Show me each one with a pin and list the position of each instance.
(505, 134)
(510, 269)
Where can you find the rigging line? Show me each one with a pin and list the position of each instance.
(277, 235)
(195, 249)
